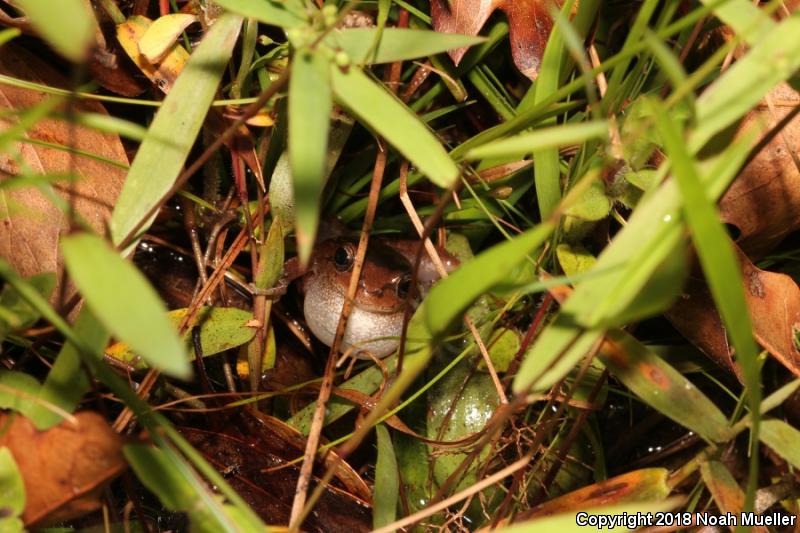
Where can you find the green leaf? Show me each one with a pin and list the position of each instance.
(124, 302)
(626, 266)
(387, 480)
(67, 25)
(15, 312)
(286, 14)
(18, 392)
(310, 105)
(541, 139)
(174, 129)
(389, 117)
(782, 438)
(394, 44)
(221, 329)
(67, 382)
(662, 387)
(156, 471)
(12, 489)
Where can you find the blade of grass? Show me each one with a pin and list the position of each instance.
(124, 302)
(174, 129)
(310, 105)
(388, 116)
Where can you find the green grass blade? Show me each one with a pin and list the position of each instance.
(542, 139)
(395, 44)
(782, 439)
(67, 25)
(173, 132)
(124, 302)
(772, 59)
(310, 105)
(662, 387)
(276, 13)
(389, 117)
(387, 480)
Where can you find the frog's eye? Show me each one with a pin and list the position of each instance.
(343, 258)
(403, 286)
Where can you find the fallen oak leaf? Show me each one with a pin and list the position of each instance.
(773, 301)
(763, 203)
(31, 222)
(529, 21)
(64, 468)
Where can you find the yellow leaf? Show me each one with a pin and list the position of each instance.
(157, 40)
(164, 73)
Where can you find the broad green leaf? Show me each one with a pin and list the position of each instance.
(389, 117)
(67, 25)
(173, 132)
(782, 439)
(387, 480)
(15, 312)
(593, 204)
(18, 392)
(286, 14)
(310, 105)
(541, 139)
(221, 329)
(662, 387)
(124, 302)
(395, 44)
(67, 382)
(574, 259)
(12, 490)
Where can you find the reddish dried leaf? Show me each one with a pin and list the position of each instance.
(529, 22)
(64, 468)
(773, 301)
(764, 201)
(253, 452)
(31, 223)
(648, 484)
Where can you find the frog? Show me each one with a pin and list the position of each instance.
(384, 290)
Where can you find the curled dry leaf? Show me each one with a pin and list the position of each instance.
(529, 21)
(773, 300)
(64, 468)
(31, 223)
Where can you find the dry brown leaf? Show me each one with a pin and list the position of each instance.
(529, 22)
(64, 468)
(32, 224)
(764, 200)
(773, 301)
(254, 450)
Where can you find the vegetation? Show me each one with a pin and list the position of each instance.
(607, 192)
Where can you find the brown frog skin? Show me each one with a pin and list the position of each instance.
(376, 317)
